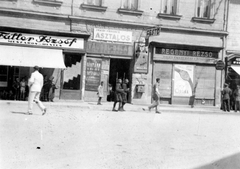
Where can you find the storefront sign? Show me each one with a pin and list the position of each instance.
(177, 52)
(41, 40)
(112, 35)
(184, 59)
(109, 48)
(183, 80)
(93, 74)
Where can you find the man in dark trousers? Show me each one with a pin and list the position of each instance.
(226, 93)
(118, 95)
(125, 93)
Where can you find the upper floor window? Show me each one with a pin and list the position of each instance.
(130, 4)
(94, 2)
(204, 9)
(169, 7)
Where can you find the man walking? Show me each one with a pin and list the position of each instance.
(155, 97)
(35, 84)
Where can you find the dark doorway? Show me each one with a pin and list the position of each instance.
(119, 69)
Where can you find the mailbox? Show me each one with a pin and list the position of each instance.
(140, 88)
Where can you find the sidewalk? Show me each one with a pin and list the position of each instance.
(128, 107)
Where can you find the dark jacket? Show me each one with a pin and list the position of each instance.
(226, 93)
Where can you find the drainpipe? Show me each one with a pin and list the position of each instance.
(225, 25)
(71, 15)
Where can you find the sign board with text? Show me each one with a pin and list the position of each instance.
(112, 35)
(93, 74)
(41, 40)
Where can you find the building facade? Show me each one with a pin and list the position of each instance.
(179, 41)
(232, 59)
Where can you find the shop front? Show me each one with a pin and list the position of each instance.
(233, 70)
(186, 65)
(57, 54)
(106, 62)
(188, 74)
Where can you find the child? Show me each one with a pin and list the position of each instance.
(100, 93)
(22, 89)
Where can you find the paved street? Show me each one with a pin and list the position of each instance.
(88, 136)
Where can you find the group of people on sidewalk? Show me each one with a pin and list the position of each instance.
(227, 94)
(120, 95)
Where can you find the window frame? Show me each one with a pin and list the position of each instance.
(49, 2)
(199, 17)
(163, 5)
(128, 10)
(99, 7)
(173, 16)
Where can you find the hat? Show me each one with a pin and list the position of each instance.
(36, 68)
(225, 84)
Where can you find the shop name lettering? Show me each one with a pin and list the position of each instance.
(112, 37)
(30, 40)
(186, 53)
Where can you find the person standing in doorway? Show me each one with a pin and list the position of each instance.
(100, 93)
(35, 84)
(22, 89)
(236, 95)
(226, 93)
(155, 97)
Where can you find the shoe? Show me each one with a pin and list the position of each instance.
(158, 112)
(44, 111)
(149, 109)
(114, 110)
(121, 110)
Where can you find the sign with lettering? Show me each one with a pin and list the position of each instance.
(109, 48)
(112, 35)
(220, 65)
(93, 74)
(41, 40)
(153, 31)
(179, 52)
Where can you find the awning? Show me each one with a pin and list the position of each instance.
(30, 57)
(236, 69)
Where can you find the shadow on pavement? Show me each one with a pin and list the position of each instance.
(230, 162)
(16, 112)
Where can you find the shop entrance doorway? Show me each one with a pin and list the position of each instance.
(119, 69)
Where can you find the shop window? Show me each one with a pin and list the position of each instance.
(204, 11)
(3, 76)
(72, 74)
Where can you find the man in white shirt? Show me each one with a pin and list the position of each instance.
(35, 84)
